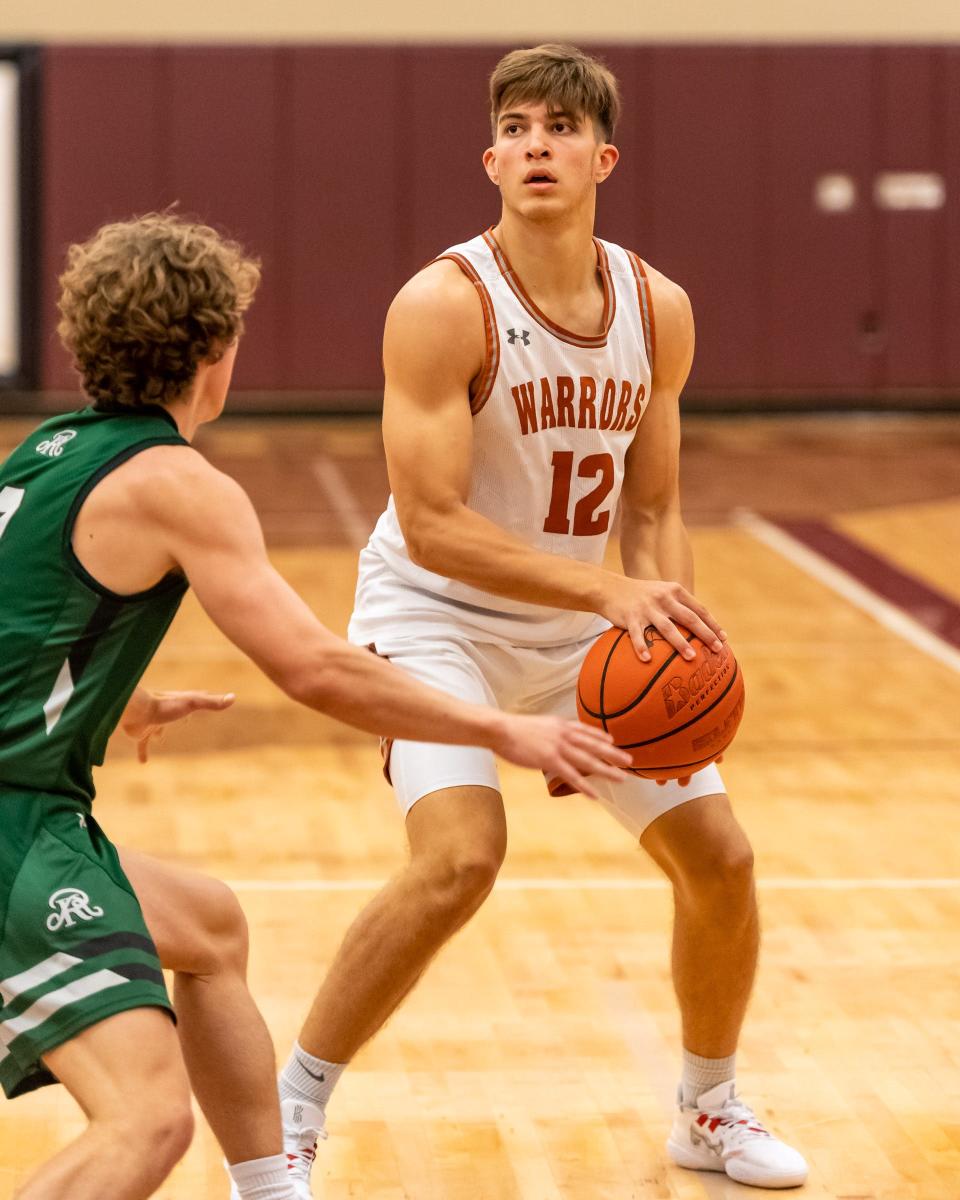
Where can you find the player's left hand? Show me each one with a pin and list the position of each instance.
(148, 713)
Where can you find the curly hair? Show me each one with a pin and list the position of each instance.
(559, 75)
(145, 301)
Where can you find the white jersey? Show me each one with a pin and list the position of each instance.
(554, 413)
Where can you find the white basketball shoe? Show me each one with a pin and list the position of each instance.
(720, 1133)
(302, 1129)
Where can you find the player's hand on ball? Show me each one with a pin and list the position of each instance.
(567, 749)
(147, 713)
(633, 604)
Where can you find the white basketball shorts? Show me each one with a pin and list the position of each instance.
(539, 680)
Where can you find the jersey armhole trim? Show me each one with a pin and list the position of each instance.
(169, 583)
(482, 385)
(645, 300)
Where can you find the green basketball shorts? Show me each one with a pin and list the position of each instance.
(74, 947)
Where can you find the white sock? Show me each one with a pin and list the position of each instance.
(307, 1078)
(702, 1074)
(263, 1179)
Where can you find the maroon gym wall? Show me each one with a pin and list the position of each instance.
(347, 167)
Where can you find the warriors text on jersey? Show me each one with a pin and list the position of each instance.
(554, 413)
(71, 651)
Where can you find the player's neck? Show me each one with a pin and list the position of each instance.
(189, 412)
(550, 257)
(184, 414)
(196, 406)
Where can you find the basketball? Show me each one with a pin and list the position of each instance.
(672, 714)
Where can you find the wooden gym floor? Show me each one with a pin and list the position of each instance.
(537, 1060)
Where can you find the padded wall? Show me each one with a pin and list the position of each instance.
(347, 167)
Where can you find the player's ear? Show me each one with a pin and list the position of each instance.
(490, 165)
(607, 159)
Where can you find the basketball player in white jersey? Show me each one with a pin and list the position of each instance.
(543, 395)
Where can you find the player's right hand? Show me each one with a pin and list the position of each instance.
(149, 713)
(566, 749)
(633, 604)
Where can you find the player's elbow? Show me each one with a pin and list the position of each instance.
(641, 523)
(648, 518)
(424, 536)
(314, 685)
(316, 678)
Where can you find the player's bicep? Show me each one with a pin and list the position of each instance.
(433, 348)
(213, 533)
(651, 472)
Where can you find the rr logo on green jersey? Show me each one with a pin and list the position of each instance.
(73, 904)
(53, 447)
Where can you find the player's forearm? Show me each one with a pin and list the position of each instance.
(655, 545)
(367, 692)
(466, 546)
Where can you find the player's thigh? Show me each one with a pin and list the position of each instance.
(638, 803)
(194, 920)
(120, 1064)
(76, 950)
(419, 769)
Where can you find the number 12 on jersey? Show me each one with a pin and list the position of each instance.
(10, 500)
(587, 522)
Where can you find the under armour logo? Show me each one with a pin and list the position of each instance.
(53, 447)
(72, 903)
(523, 336)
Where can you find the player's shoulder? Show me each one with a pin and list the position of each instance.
(670, 302)
(435, 326)
(673, 325)
(174, 484)
(439, 293)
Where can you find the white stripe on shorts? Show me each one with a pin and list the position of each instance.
(56, 964)
(52, 1002)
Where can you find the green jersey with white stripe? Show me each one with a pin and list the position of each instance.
(71, 651)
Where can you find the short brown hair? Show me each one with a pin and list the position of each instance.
(145, 301)
(558, 75)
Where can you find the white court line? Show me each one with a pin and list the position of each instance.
(336, 487)
(845, 585)
(604, 885)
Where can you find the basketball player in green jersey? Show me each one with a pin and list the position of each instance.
(106, 516)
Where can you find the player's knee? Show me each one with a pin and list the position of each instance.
(160, 1117)
(463, 880)
(170, 1130)
(227, 922)
(719, 872)
(222, 938)
(724, 873)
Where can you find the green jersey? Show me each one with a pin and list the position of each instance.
(71, 651)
